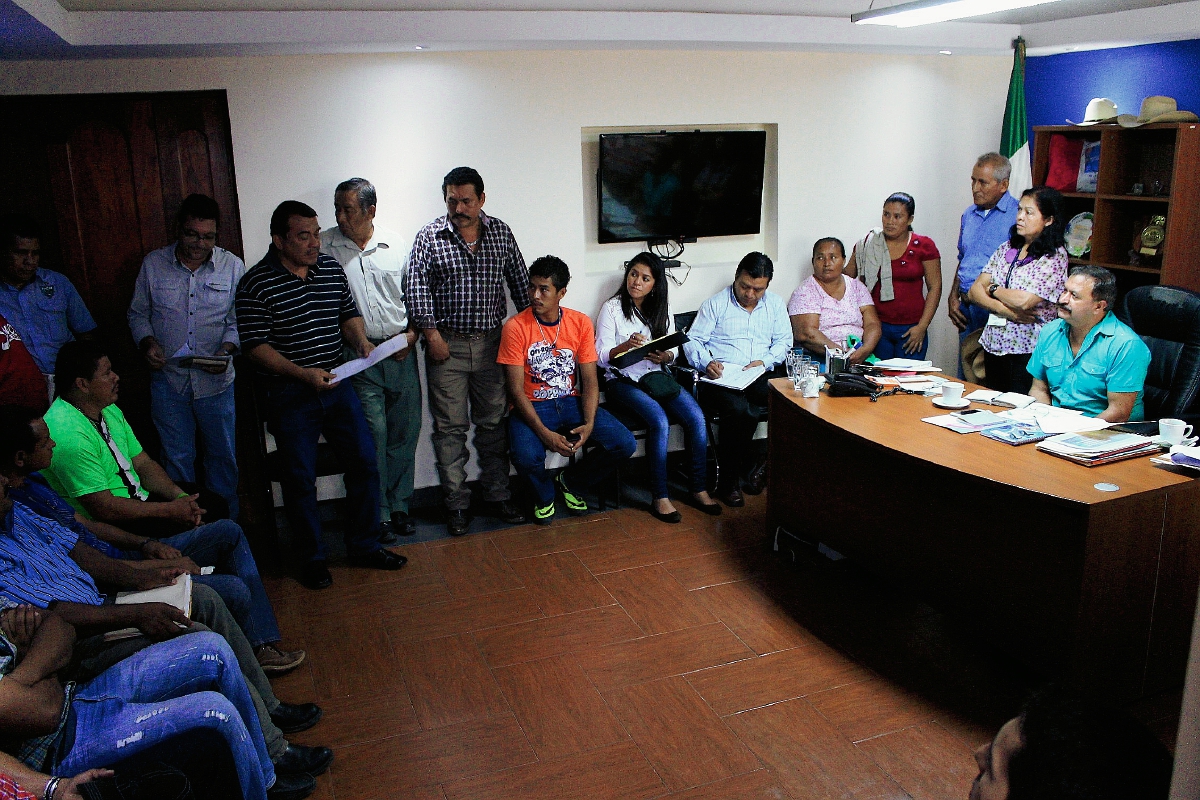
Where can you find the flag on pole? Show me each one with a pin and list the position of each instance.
(1014, 138)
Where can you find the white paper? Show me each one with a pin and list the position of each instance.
(1075, 423)
(735, 376)
(184, 351)
(389, 348)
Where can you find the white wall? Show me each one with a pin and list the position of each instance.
(851, 130)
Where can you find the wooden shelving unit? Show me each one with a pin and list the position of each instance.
(1166, 154)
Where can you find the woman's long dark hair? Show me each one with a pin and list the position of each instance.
(1053, 236)
(654, 306)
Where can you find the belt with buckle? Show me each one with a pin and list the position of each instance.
(468, 336)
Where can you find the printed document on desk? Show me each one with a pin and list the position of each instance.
(389, 348)
(735, 376)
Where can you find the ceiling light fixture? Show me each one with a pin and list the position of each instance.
(945, 52)
(419, 47)
(925, 12)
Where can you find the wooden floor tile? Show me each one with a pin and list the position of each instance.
(712, 569)
(396, 766)
(461, 615)
(449, 682)
(351, 656)
(926, 761)
(653, 657)
(615, 772)
(655, 600)
(686, 742)
(809, 756)
(560, 583)
(350, 720)
(474, 566)
(779, 676)
(872, 708)
(557, 706)
(540, 540)
(762, 784)
(350, 599)
(542, 638)
(641, 552)
(755, 617)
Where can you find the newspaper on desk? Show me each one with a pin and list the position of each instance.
(389, 348)
(1055, 420)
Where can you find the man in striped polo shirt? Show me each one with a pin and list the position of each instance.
(294, 309)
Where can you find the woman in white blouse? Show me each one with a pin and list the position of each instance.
(636, 314)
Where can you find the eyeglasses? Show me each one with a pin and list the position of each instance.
(196, 236)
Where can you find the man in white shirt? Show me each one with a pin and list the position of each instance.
(374, 260)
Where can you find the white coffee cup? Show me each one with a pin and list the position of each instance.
(1173, 431)
(952, 392)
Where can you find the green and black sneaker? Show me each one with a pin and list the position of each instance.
(543, 515)
(575, 503)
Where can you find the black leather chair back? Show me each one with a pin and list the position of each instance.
(1168, 320)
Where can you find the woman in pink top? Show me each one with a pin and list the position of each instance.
(1020, 287)
(829, 307)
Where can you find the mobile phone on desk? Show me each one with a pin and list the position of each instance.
(966, 412)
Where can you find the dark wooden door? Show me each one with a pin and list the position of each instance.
(104, 175)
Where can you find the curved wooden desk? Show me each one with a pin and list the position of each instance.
(1099, 587)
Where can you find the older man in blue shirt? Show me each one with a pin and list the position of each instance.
(1088, 359)
(740, 327)
(41, 304)
(985, 224)
(182, 307)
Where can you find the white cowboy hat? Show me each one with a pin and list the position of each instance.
(1157, 109)
(1099, 110)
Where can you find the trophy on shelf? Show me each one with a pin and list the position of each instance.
(1147, 246)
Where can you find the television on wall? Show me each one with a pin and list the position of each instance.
(680, 186)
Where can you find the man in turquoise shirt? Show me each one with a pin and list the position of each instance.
(1088, 359)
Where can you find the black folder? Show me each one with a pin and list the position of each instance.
(631, 357)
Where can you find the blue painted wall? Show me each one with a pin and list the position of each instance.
(1058, 88)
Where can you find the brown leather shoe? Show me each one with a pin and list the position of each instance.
(732, 498)
(275, 661)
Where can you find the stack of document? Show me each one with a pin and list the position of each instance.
(968, 423)
(1092, 448)
(906, 365)
(1016, 433)
(1006, 399)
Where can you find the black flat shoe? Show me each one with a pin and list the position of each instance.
(293, 718)
(315, 575)
(671, 518)
(457, 522)
(380, 559)
(301, 760)
(712, 509)
(403, 524)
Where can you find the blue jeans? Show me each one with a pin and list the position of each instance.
(891, 344)
(222, 545)
(175, 686)
(176, 416)
(298, 415)
(681, 408)
(529, 454)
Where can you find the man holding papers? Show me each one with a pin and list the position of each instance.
(374, 260)
(741, 332)
(294, 311)
(1088, 359)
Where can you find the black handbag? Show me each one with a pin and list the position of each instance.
(659, 385)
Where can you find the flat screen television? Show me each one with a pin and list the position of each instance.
(657, 186)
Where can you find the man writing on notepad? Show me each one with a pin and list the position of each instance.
(742, 326)
(1088, 359)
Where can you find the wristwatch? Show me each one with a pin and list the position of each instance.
(992, 290)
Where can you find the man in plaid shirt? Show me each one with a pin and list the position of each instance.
(455, 293)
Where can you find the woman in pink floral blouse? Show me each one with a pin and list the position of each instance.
(829, 307)
(1020, 286)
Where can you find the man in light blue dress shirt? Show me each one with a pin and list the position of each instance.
(182, 308)
(41, 304)
(742, 326)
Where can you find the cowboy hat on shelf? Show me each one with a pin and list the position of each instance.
(1157, 109)
(1099, 111)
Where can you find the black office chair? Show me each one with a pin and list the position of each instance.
(1168, 320)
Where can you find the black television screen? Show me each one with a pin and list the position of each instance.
(680, 185)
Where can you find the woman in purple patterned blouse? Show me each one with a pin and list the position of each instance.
(1020, 287)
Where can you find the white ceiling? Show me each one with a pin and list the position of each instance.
(236, 27)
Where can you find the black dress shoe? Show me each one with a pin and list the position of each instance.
(315, 575)
(387, 534)
(403, 524)
(732, 498)
(301, 760)
(457, 522)
(671, 518)
(757, 480)
(292, 787)
(380, 559)
(296, 717)
(506, 511)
